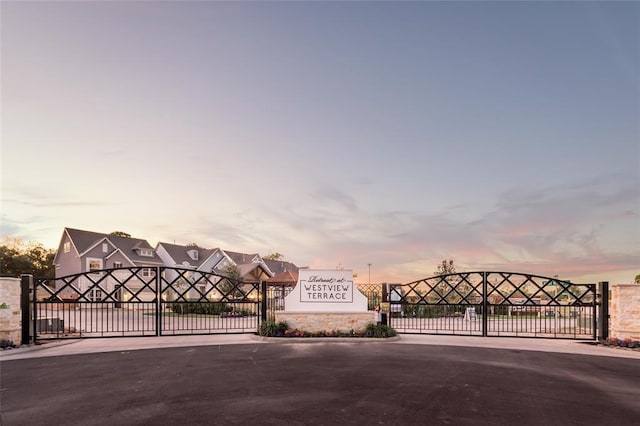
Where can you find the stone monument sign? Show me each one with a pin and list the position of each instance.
(326, 300)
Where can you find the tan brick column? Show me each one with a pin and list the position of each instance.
(624, 309)
(10, 318)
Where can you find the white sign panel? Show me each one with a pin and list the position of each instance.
(470, 314)
(320, 290)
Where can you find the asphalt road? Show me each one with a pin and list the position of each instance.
(321, 384)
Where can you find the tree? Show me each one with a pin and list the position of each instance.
(274, 256)
(120, 234)
(18, 258)
(637, 280)
(446, 285)
(229, 286)
(445, 267)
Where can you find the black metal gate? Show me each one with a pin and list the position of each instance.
(494, 304)
(139, 301)
(273, 295)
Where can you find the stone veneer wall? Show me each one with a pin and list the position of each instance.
(327, 321)
(624, 309)
(10, 317)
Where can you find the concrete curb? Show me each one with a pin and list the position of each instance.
(325, 339)
(85, 346)
(38, 346)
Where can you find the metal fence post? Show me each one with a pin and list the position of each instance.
(485, 305)
(385, 301)
(603, 318)
(158, 302)
(263, 300)
(26, 286)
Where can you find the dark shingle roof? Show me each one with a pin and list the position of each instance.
(240, 258)
(180, 253)
(84, 240)
(278, 266)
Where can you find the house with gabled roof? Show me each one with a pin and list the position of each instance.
(85, 251)
(191, 259)
(251, 267)
(280, 266)
(188, 257)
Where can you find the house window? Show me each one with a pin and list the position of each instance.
(105, 247)
(193, 254)
(67, 247)
(148, 272)
(95, 295)
(146, 252)
(94, 264)
(117, 264)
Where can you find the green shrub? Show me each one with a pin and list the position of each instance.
(422, 311)
(379, 330)
(5, 343)
(270, 328)
(204, 308)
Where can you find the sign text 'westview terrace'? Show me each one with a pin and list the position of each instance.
(330, 289)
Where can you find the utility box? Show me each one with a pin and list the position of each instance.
(49, 325)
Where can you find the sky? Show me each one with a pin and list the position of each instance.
(381, 137)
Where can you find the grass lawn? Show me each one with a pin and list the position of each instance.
(516, 317)
(173, 314)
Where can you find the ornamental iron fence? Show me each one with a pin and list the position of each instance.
(494, 304)
(158, 301)
(143, 301)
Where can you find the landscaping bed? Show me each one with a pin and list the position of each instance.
(271, 328)
(622, 343)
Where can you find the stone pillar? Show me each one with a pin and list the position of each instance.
(624, 309)
(10, 317)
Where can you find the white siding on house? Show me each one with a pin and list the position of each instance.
(164, 256)
(211, 262)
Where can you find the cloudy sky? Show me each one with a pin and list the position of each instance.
(503, 135)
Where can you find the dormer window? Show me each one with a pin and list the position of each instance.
(146, 252)
(193, 254)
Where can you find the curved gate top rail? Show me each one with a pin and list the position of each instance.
(498, 287)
